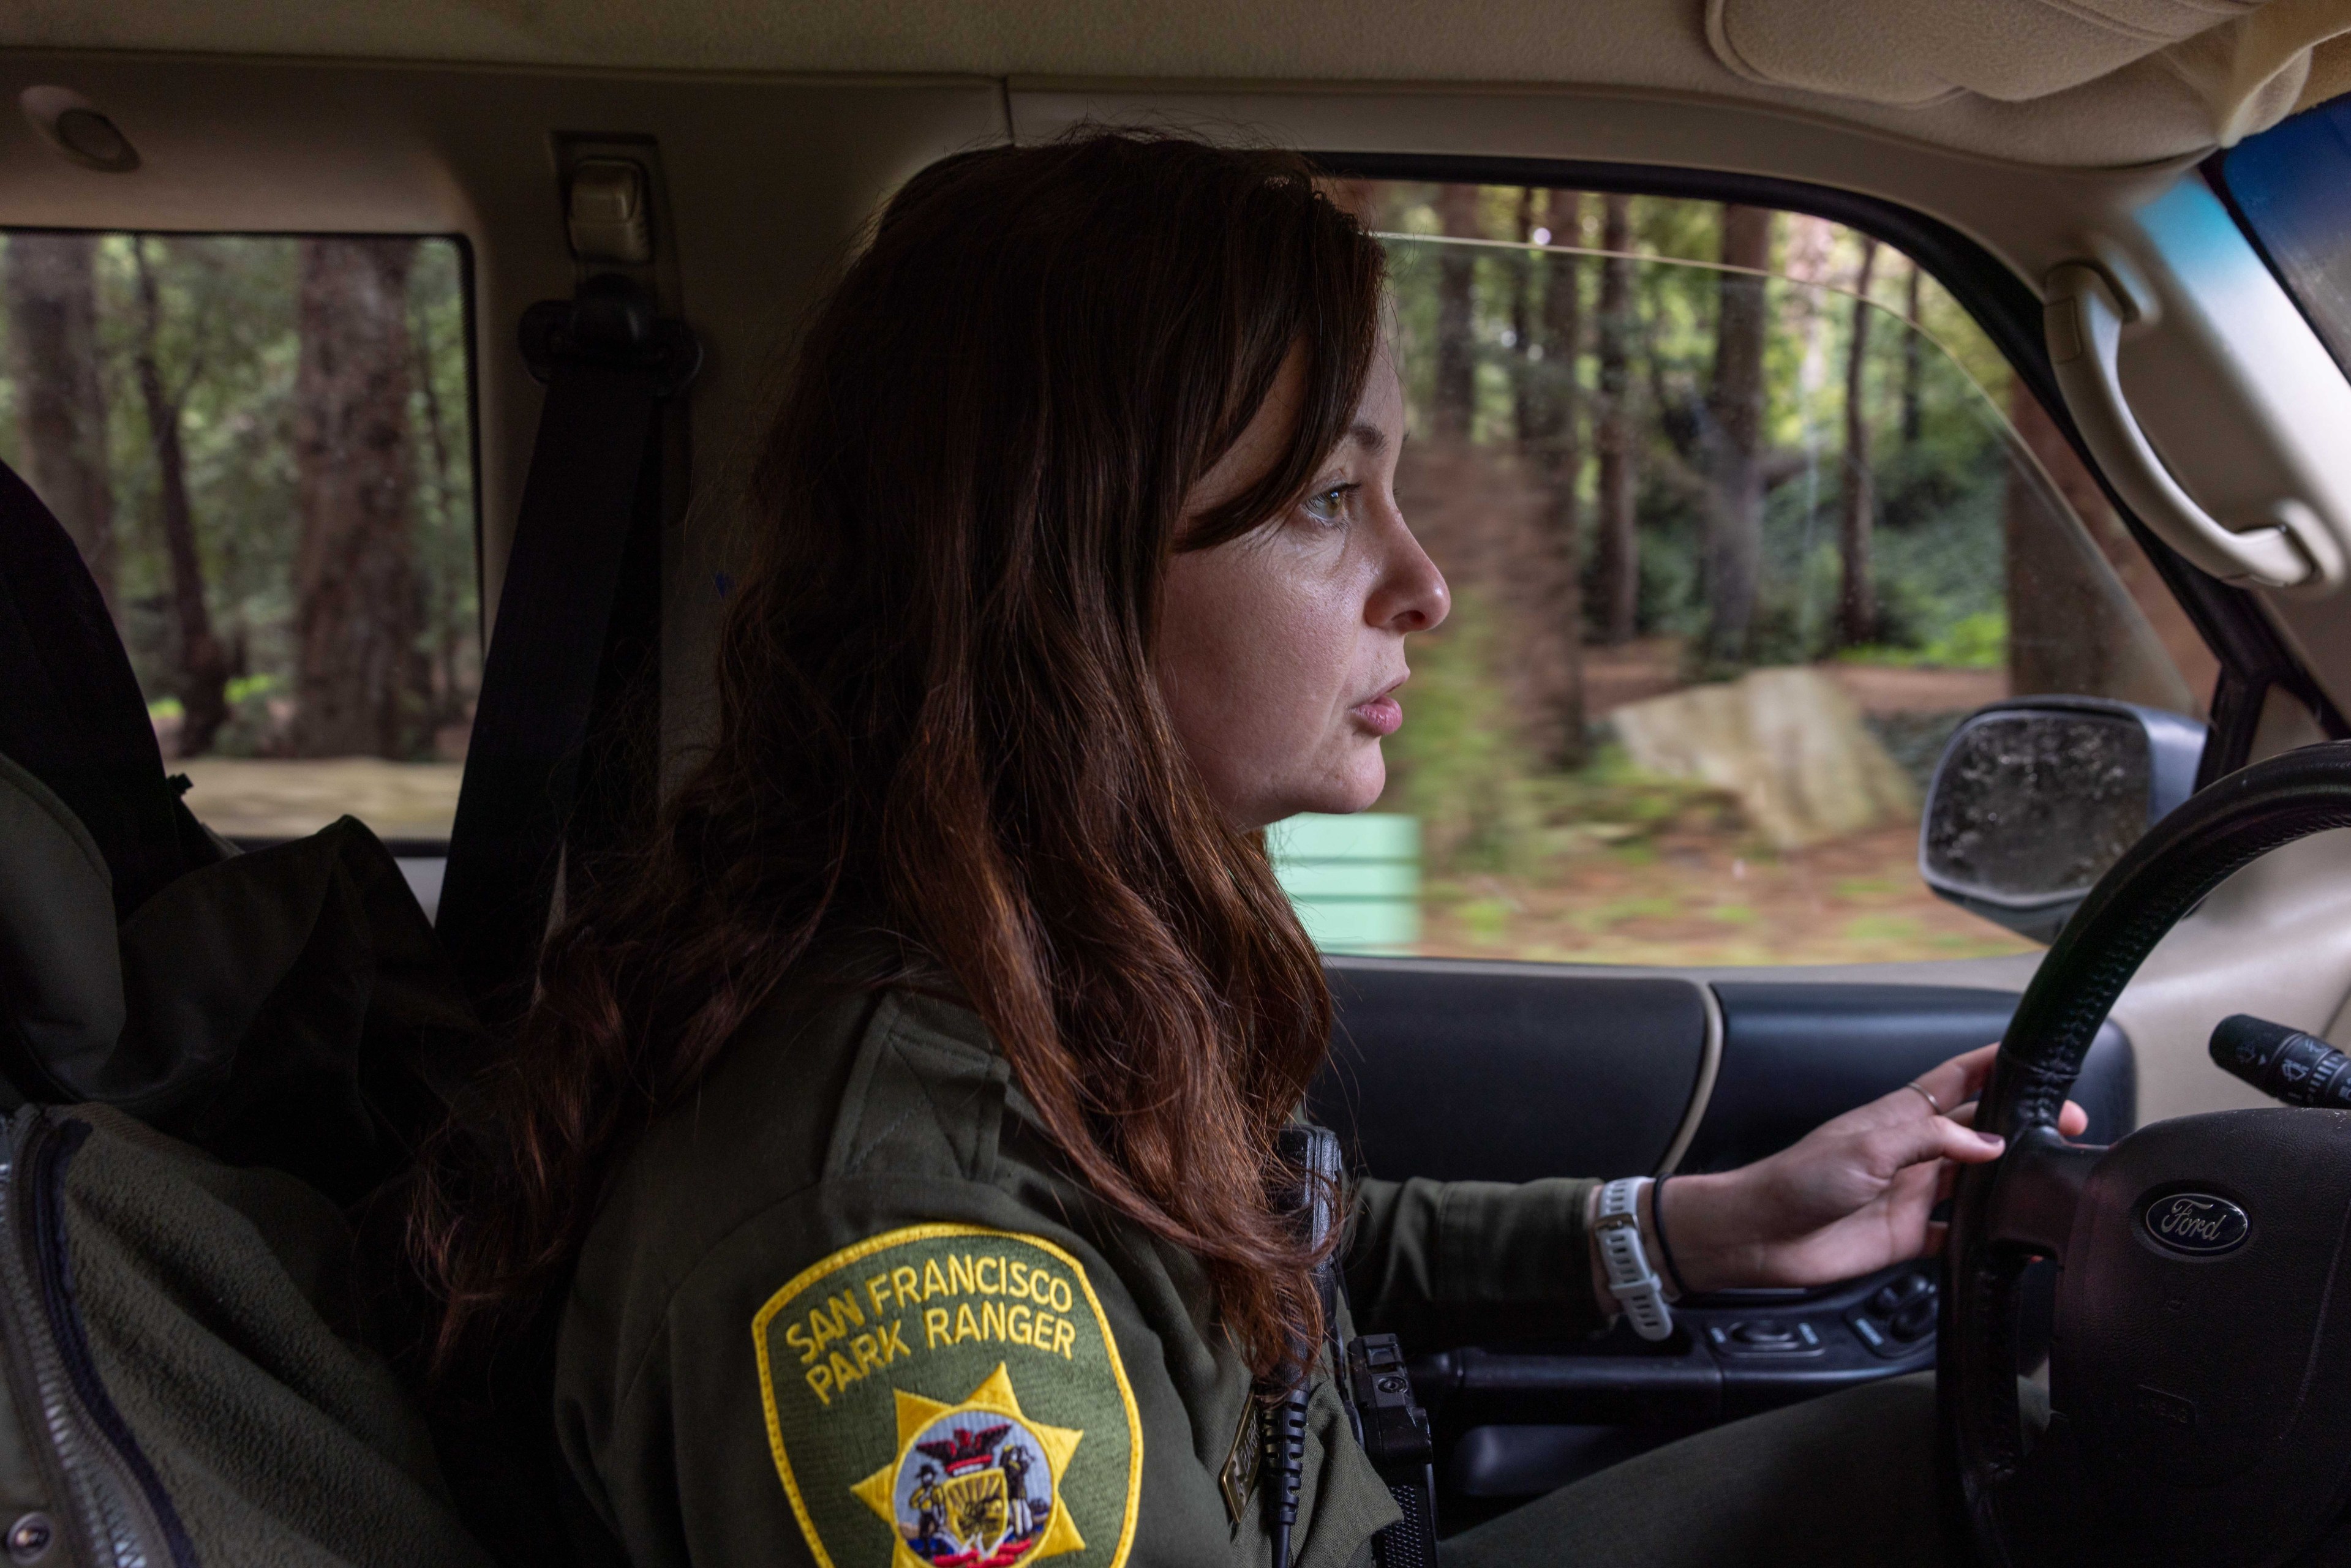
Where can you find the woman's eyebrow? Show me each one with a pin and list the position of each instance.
(1368, 437)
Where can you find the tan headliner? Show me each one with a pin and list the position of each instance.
(2145, 108)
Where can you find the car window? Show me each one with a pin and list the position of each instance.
(1742, 513)
(2287, 185)
(263, 446)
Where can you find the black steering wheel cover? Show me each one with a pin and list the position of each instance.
(2218, 833)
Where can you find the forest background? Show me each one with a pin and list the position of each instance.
(1659, 443)
(264, 448)
(1694, 455)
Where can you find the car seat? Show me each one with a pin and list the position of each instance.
(208, 1064)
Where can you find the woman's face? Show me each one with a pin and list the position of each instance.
(1280, 651)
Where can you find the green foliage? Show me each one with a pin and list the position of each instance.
(1488, 919)
(1458, 764)
(1937, 545)
(1484, 806)
(1977, 641)
(226, 352)
(1610, 804)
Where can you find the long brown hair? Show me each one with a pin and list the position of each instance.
(937, 718)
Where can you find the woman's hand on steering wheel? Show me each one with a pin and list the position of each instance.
(1854, 1195)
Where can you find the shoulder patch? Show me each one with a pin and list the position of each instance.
(950, 1396)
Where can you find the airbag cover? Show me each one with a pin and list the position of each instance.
(2203, 1350)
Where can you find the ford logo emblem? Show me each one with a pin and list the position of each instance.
(2196, 1223)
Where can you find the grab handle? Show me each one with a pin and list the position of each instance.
(2085, 328)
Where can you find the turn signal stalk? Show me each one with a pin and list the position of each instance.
(2283, 1062)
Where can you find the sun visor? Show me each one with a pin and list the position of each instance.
(2247, 63)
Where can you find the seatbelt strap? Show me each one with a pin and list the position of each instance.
(594, 484)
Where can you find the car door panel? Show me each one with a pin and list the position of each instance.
(1478, 1071)
(1538, 1073)
(1468, 1071)
(1793, 1054)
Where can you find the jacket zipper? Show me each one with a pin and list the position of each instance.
(110, 1493)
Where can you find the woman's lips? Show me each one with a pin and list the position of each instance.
(1383, 716)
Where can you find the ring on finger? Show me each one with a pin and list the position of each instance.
(1924, 1094)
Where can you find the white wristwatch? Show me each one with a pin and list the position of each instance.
(1631, 1280)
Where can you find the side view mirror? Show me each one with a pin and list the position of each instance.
(2032, 799)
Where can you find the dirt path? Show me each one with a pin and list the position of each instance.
(1710, 898)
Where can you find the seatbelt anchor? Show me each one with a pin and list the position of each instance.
(611, 324)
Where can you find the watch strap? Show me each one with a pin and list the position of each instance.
(1635, 1285)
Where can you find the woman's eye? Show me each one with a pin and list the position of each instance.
(1329, 506)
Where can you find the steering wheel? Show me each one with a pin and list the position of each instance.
(2201, 1374)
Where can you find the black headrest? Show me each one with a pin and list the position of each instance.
(70, 711)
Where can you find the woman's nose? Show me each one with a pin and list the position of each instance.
(1412, 595)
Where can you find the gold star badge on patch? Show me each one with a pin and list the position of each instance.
(974, 1485)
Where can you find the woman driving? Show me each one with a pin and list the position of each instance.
(900, 1123)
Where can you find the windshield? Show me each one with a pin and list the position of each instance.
(2291, 186)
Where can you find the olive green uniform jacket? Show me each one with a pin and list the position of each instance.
(846, 1307)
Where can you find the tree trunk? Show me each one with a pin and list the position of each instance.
(1523, 340)
(1617, 555)
(52, 292)
(1910, 364)
(1548, 417)
(441, 589)
(1453, 400)
(2059, 634)
(2067, 628)
(1734, 543)
(204, 661)
(359, 682)
(1547, 429)
(1858, 497)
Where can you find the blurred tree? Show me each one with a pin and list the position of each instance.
(445, 511)
(1551, 343)
(2071, 625)
(204, 662)
(1910, 342)
(228, 340)
(1617, 553)
(1734, 426)
(361, 682)
(442, 614)
(52, 293)
(1856, 495)
(1524, 354)
(1454, 395)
